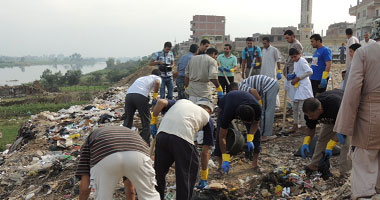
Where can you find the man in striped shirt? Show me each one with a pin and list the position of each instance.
(110, 153)
(265, 90)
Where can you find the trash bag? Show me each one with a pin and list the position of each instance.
(335, 151)
(105, 118)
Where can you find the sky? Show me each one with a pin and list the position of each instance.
(129, 28)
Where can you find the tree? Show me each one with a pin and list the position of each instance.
(72, 77)
(110, 63)
(52, 81)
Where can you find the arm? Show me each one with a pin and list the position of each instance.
(156, 86)
(254, 127)
(222, 140)
(84, 190)
(328, 66)
(205, 156)
(155, 62)
(243, 67)
(278, 66)
(255, 93)
(215, 82)
(161, 104)
(186, 81)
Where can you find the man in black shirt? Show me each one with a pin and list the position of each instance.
(324, 109)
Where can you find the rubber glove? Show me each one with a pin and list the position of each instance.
(153, 125)
(250, 144)
(291, 76)
(279, 74)
(341, 138)
(202, 184)
(325, 76)
(305, 146)
(155, 95)
(219, 91)
(220, 68)
(330, 146)
(258, 65)
(228, 70)
(261, 102)
(226, 162)
(203, 181)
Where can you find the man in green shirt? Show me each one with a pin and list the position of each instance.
(228, 65)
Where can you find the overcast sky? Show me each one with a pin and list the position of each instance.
(128, 28)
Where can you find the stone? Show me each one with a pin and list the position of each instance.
(265, 193)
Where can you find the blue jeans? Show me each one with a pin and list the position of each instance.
(168, 82)
(181, 87)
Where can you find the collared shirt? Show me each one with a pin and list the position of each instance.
(289, 64)
(105, 141)
(363, 43)
(318, 65)
(228, 62)
(270, 58)
(184, 119)
(183, 62)
(200, 70)
(167, 58)
(143, 85)
(260, 83)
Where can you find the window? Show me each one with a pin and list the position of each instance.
(279, 38)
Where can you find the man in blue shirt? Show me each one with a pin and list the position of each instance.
(164, 60)
(320, 65)
(251, 56)
(342, 51)
(182, 63)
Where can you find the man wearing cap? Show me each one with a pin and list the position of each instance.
(238, 105)
(174, 143)
(359, 117)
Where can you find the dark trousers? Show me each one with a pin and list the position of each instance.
(170, 149)
(140, 102)
(316, 88)
(223, 82)
(180, 81)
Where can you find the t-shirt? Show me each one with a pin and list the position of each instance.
(229, 63)
(304, 90)
(184, 119)
(318, 65)
(259, 82)
(231, 101)
(167, 58)
(251, 54)
(289, 64)
(363, 43)
(183, 62)
(143, 85)
(105, 141)
(330, 101)
(200, 70)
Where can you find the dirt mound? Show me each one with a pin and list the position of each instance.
(143, 71)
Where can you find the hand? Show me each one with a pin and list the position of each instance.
(221, 68)
(243, 75)
(323, 83)
(341, 138)
(153, 129)
(251, 146)
(201, 184)
(303, 148)
(295, 80)
(328, 153)
(279, 76)
(220, 95)
(291, 76)
(226, 166)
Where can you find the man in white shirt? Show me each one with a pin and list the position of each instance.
(138, 98)
(366, 40)
(350, 41)
(271, 59)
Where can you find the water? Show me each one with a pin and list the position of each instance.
(20, 75)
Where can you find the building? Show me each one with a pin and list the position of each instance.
(335, 36)
(366, 12)
(306, 27)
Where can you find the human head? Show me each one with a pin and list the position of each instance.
(206, 104)
(205, 44)
(194, 48)
(227, 49)
(245, 113)
(353, 48)
(167, 47)
(234, 86)
(266, 42)
(349, 33)
(343, 74)
(212, 52)
(289, 36)
(249, 41)
(342, 44)
(366, 36)
(156, 72)
(294, 54)
(312, 108)
(316, 41)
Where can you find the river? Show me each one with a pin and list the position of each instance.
(19, 75)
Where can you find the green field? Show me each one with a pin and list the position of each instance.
(9, 128)
(83, 88)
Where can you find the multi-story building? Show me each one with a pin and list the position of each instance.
(335, 36)
(366, 12)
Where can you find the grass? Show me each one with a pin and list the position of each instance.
(83, 88)
(9, 128)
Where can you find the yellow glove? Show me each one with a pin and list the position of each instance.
(226, 157)
(204, 174)
(250, 137)
(155, 95)
(331, 145)
(279, 71)
(232, 70)
(297, 85)
(261, 102)
(219, 89)
(325, 75)
(153, 119)
(307, 140)
(258, 64)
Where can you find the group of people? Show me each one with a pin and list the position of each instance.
(111, 153)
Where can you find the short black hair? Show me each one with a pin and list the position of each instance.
(316, 37)
(311, 105)
(168, 44)
(245, 113)
(211, 51)
(205, 41)
(349, 31)
(355, 46)
(194, 48)
(233, 86)
(249, 39)
(228, 45)
(266, 39)
(156, 72)
(289, 32)
(293, 51)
